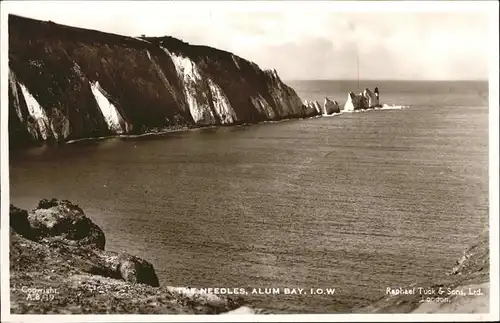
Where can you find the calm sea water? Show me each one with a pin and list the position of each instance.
(357, 202)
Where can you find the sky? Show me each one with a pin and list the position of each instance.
(303, 40)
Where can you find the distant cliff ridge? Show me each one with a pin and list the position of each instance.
(68, 83)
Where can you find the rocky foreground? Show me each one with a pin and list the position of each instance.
(58, 264)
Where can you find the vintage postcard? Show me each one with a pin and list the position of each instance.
(249, 161)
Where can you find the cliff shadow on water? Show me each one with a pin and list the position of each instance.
(68, 83)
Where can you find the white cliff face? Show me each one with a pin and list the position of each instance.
(196, 95)
(15, 98)
(37, 113)
(108, 110)
(263, 106)
(317, 106)
(192, 83)
(221, 103)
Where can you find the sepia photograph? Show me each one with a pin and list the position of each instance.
(266, 160)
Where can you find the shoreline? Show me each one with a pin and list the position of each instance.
(199, 128)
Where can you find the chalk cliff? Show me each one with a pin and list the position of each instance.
(68, 83)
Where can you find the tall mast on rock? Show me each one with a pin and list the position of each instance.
(357, 65)
(352, 28)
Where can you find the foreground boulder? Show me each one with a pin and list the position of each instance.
(129, 268)
(56, 254)
(66, 222)
(64, 228)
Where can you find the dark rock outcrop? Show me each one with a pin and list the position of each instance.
(65, 222)
(68, 83)
(46, 262)
(130, 268)
(19, 223)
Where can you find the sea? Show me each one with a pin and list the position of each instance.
(357, 202)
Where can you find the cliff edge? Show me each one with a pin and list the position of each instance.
(69, 83)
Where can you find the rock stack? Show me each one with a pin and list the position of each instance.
(312, 108)
(361, 101)
(330, 107)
